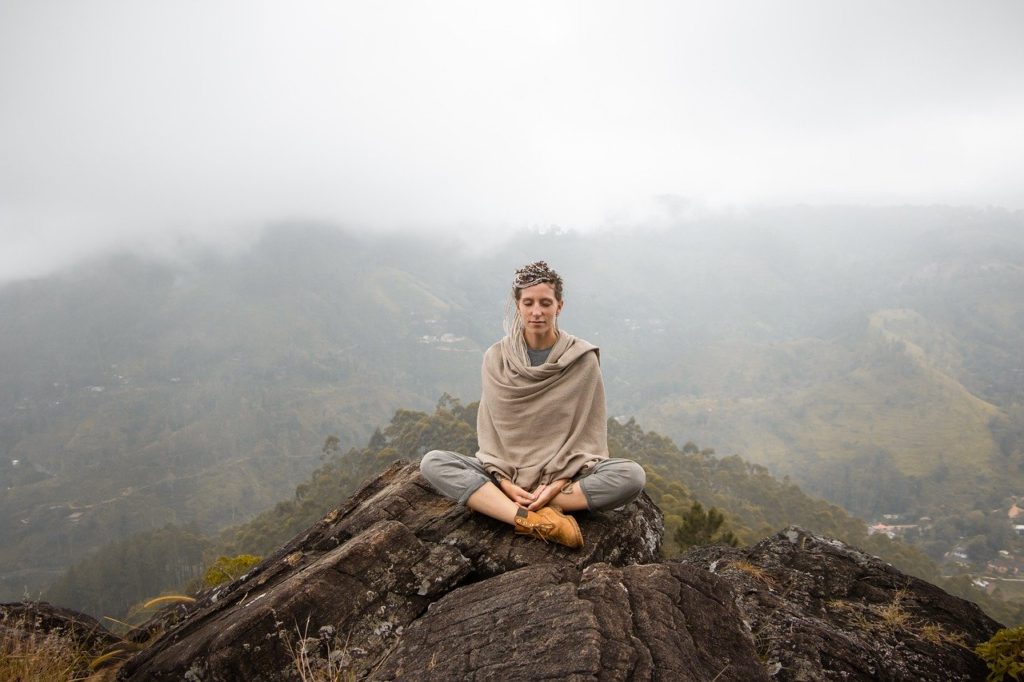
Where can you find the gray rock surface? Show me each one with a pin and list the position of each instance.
(656, 621)
(822, 610)
(19, 618)
(344, 593)
(401, 584)
(33, 629)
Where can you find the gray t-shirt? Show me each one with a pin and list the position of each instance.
(538, 357)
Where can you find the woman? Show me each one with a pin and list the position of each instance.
(541, 425)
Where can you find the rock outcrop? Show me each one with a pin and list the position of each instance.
(345, 592)
(82, 631)
(821, 610)
(642, 622)
(401, 584)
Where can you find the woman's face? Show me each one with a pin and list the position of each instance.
(538, 308)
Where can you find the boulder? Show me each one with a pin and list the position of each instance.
(649, 622)
(400, 583)
(19, 619)
(344, 592)
(822, 610)
(41, 641)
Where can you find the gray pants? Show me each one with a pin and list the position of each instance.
(608, 484)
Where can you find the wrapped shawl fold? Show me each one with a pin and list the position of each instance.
(539, 424)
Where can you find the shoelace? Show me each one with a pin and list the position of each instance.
(540, 530)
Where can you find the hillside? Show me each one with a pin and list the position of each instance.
(872, 355)
(136, 394)
(755, 505)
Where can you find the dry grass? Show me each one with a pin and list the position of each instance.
(754, 571)
(893, 618)
(841, 605)
(169, 599)
(938, 635)
(309, 662)
(28, 654)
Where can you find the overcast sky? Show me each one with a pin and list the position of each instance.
(130, 123)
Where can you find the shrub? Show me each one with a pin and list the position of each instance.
(226, 569)
(1004, 654)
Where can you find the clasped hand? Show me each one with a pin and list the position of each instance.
(540, 497)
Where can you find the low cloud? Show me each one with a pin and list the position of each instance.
(125, 124)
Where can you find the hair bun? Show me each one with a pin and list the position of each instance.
(536, 273)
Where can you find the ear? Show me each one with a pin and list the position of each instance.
(560, 304)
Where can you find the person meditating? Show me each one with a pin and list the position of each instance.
(541, 425)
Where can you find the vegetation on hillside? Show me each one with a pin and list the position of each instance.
(705, 499)
(125, 573)
(870, 355)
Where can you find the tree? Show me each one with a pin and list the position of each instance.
(377, 440)
(332, 445)
(704, 528)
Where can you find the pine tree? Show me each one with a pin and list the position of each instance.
(701, 527)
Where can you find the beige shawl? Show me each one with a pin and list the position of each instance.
(538, 424)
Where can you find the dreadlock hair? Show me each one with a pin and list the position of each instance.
(536, 273)
(526, 277)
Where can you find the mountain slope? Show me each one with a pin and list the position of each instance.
(873, 355)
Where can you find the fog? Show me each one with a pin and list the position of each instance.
(146, 126)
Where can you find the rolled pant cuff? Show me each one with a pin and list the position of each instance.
(470, 490)
(586, 495)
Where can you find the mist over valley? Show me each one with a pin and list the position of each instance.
(871, 355)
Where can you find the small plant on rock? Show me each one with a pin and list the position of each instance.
(227, 569)
(315, 658)
(938, 635)
(1004, 654)
(756, 573)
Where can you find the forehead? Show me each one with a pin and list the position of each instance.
(542, 290)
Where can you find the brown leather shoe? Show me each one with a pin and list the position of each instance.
(550, 525)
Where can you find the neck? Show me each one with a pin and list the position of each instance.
(540, 341)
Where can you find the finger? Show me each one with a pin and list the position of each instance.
(518, 495)
(539, 502)
(549, 498)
